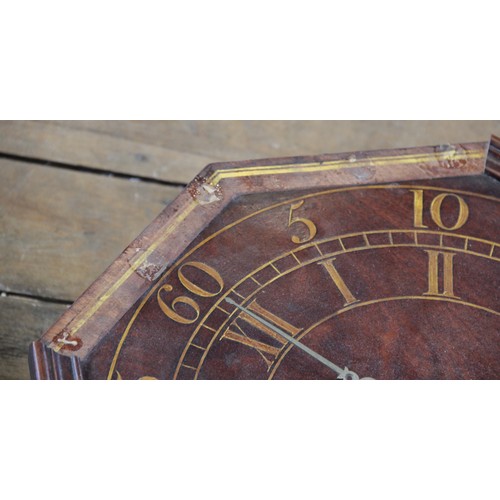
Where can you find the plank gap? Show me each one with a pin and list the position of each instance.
(41, 298)
(89, 170)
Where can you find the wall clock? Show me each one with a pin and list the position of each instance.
(370, 265)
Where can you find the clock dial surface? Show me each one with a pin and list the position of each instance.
(383, 281)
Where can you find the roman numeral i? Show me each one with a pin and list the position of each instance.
(339, 281)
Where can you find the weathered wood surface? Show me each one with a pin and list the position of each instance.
(176, 151)
(60, 227)
(21, 322)
(101, 150)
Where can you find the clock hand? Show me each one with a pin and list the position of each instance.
(343, 374)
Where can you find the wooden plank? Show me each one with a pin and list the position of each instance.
(21, 322)
(104, 151)
(243, 140)
(60, 228)
(177, 150)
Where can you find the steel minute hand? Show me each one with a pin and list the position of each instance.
(343, 374)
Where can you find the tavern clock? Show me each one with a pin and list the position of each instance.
(372, 265)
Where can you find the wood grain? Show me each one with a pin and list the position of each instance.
(21, 322)
(244, 140)
(102, 150)
(60, 228)
(176, 151)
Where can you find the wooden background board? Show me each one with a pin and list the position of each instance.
(74, 194)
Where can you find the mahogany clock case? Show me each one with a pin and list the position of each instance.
(379, 265)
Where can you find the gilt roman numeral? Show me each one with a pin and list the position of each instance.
(339, 282)
(435, 269)
(248, 331)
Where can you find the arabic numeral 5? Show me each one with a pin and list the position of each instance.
(311, 227)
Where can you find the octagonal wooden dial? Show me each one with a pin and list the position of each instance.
(310, 270)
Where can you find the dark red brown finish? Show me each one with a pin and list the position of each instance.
(328, 249)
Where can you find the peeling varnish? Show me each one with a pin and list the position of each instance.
(447, 156)
(64, 340)
(363, 173)
(203, 192)
(150, 271)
